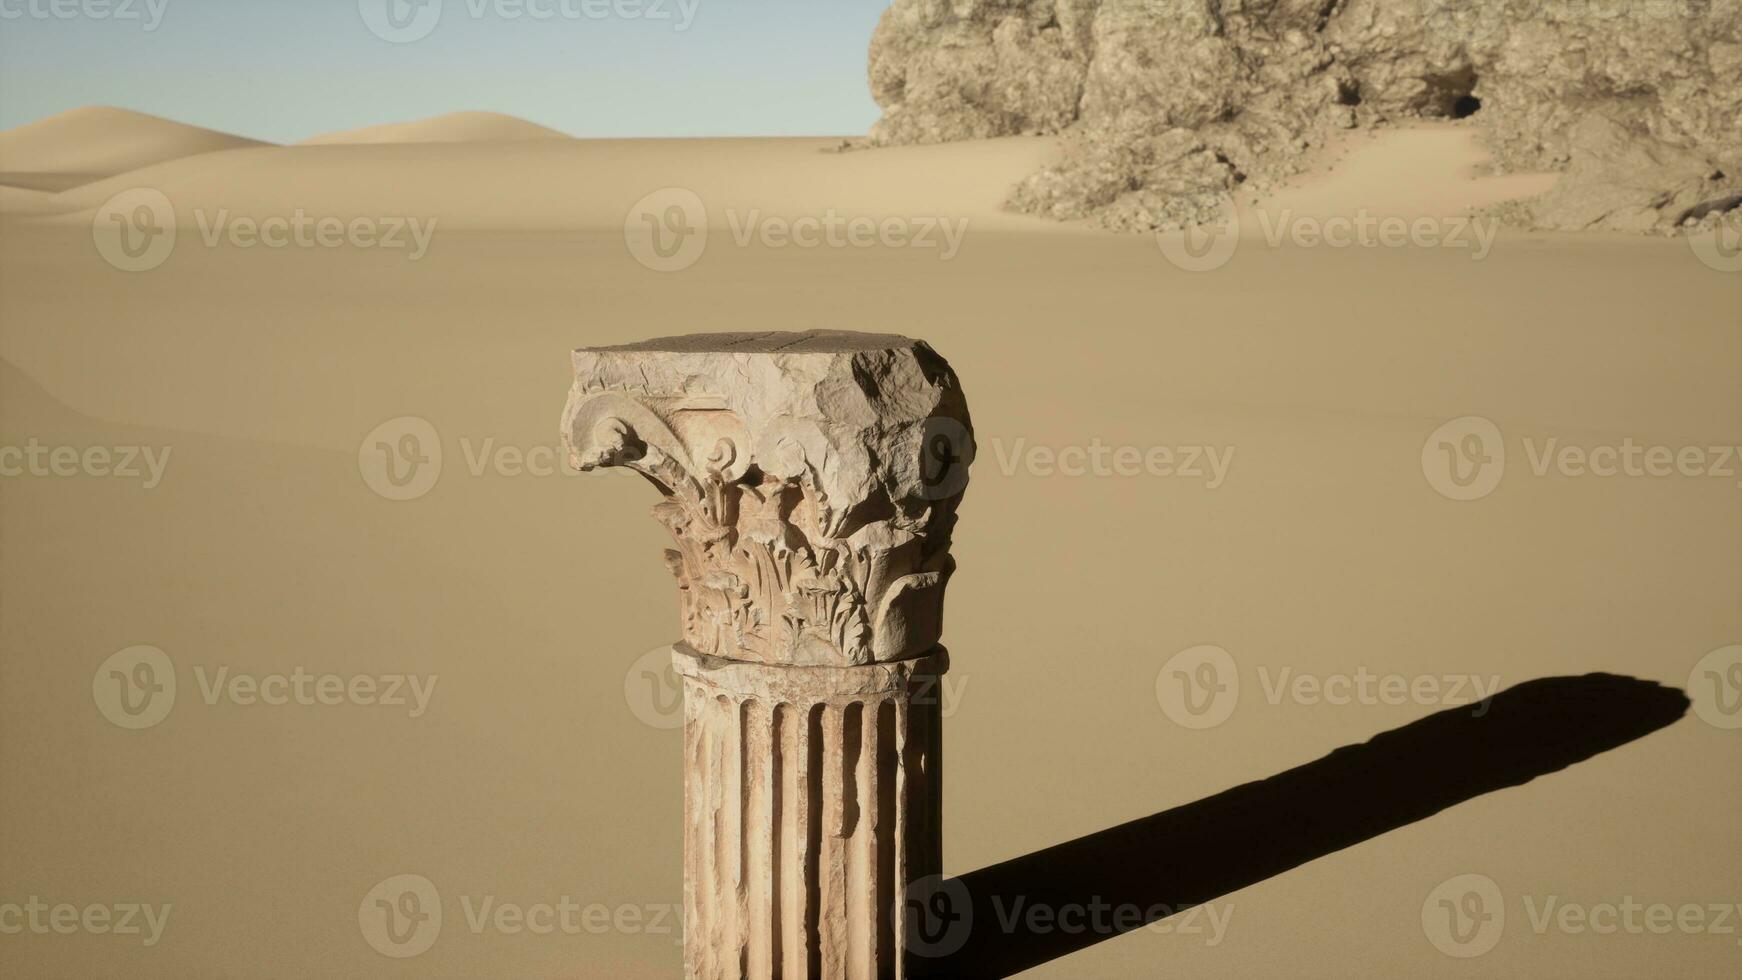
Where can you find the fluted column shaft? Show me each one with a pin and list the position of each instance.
(813, 799)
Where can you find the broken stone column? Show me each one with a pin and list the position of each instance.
(810, 483)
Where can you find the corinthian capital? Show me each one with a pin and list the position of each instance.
(810, 483)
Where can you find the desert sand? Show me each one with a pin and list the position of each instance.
(453, 127)
(530, 592)
(76, 147)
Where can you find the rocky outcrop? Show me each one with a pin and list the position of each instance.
(1171, 104)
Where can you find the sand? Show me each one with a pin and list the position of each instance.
(1324, 550)
(73, 148)
(453, 127)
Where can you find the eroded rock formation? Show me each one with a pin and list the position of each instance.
(1171, 104)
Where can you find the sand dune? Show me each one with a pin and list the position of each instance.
(588, 184)
(454, 127)
(81, 145)
(24, 200)
(1413, 170)
(1429, 170)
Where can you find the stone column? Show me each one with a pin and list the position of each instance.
(810, 483)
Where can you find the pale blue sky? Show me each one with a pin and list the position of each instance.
(283, 70)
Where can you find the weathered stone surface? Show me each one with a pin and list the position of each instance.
(813, 800)
(810, 482)
(1171, 103)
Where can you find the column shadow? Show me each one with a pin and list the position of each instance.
(1189, 855)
